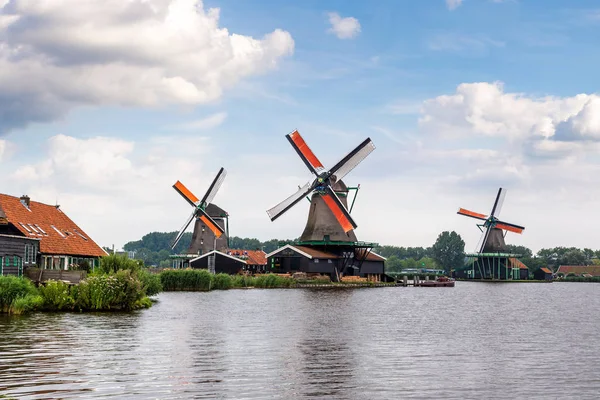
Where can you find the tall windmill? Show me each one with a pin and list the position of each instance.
(328, 218)
(210, 226)
(329, 231)
(491, 255)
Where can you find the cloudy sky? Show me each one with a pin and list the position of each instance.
(104, 104)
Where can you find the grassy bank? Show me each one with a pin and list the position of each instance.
(123, 290)
(202, 280)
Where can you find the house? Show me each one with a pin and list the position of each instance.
(543, 274)
(231, 261)
(312, 259)
(578, 270)
(43, 235)
(17, 253)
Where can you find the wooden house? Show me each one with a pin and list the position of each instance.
(44, 235)
(542, 274)
(231, 261)
(312, 259)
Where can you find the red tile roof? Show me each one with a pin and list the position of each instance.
(593, 270)
(516, 263)
(42, 221)
(545, 270)
(252, 257)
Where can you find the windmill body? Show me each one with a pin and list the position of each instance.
(492, 259)
(204, 239)
(328, 244)
(321, 224)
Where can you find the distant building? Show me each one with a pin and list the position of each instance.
(43, 235)
(578, 270)
(543, 274)
(231, 261)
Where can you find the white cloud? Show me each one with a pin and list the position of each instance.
(207, 123)
(453, 4)
(485, 109)
(118, 190)
(55, 55)
(2, 149)
(343, 28)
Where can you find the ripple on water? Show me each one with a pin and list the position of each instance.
(474, 341)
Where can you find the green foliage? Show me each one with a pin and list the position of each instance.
(186, 279)
(150, 282)
(154, 248)
(449, 251)
(120, 291)
(272, 281)
(12, 289)
(404, 252)
(30, 302)
(202, 280)
(113, 263)
(222, 282)
(56, 296)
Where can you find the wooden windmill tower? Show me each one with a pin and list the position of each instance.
(330, 227)
(492, 259)
(211, 221)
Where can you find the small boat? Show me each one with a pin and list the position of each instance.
(442, 281)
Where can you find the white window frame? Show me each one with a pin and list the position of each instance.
(40, 229)
(58, 231)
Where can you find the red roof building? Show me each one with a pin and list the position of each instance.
(593, 270)
(61, 242)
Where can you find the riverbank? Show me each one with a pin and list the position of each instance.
(123, 290)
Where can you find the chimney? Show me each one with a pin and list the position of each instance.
(25, 200)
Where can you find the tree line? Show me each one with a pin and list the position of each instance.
(446, 253)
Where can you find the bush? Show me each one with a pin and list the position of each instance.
(222, 282)
(13, 288)
(30, 302)
(151, 283)
(186, 279)
(120, 291)
(56, 296)
(113, 263)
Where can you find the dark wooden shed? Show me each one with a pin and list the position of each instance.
(543, 274)
(224, 263)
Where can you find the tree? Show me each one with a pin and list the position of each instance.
(449, 251)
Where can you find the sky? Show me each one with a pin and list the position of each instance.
(104, 105)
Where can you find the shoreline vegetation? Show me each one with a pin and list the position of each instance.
(122, 284)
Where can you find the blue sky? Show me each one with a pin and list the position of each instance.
(459, 98)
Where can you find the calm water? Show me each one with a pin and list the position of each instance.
(478, 341)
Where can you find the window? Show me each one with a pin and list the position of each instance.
(34, 229)
(27, 253)
(83, 237)
(26, 227)
(316, 260)
(59, 232)
(40, 229)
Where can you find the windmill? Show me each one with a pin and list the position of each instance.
(491, 255)
(328, 244)
(210, 224)
(328, 218)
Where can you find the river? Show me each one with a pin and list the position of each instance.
(474, 341)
